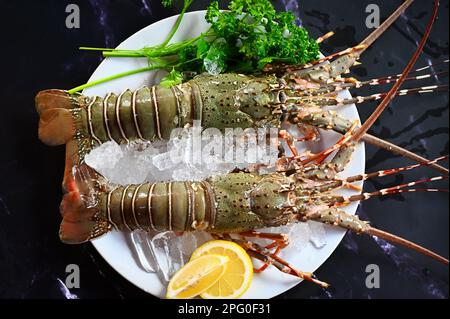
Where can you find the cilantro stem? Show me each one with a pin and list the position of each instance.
(123, 74)
(113, 77)
(123, 54)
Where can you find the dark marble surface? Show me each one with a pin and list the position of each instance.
(38, 52)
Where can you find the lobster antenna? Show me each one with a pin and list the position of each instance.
(431, 65)
(406, 243)
(337, 101)
(353, 83)
(363, 177)
(340, 200)
(388, 172)
(388, 236)
(371, 38)
(324, 37)
(426, 67)
(392, 92)
(344, 200)
(358, 49)
(390, 147)
(389, 79)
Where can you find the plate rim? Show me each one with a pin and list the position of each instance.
(97, 243)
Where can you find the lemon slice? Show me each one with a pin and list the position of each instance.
(239, 271)
(197, 276)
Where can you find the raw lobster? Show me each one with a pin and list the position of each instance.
(235, 203)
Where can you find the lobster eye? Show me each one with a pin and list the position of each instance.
(282, 97)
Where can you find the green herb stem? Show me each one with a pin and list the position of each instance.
(113, 77)
(123, 54)
(94, 49)
(187, 3)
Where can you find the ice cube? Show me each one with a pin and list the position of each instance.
(190, 174)
(168, 257)
(163, 161)
(104, 158)
(190, 241)
(142, 250)
(318, 234)
(166, 252)
(212, 66)
(299, 235)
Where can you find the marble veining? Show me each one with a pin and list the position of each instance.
(33, 261)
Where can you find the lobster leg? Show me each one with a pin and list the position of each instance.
(324, 171)
(261, 253)
(328, 170)
(282, 239)
(285, 135)
(319, 157)
(279, 242)
(268, 258)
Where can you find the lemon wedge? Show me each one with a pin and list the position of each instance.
(238, 273)
(197, 276)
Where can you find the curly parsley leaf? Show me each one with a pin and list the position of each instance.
(261, 35)
(167, 3)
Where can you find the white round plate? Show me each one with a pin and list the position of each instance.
(113, 246)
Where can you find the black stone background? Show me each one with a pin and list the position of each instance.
(39, 52)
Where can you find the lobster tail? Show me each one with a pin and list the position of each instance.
(56, 124)
(78, 221)
(79, 207)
